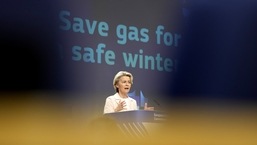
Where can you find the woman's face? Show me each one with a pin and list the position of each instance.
(124, 84)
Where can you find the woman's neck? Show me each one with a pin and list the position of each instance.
(123, 95)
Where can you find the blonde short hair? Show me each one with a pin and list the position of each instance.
(118, 76)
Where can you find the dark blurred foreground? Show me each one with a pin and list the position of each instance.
(44, 122)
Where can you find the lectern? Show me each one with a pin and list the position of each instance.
(138, 123)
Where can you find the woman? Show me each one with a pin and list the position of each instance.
(120, 101)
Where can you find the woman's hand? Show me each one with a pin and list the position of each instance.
(120, 106)
(148, 108)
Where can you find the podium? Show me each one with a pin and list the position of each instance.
(138, 123)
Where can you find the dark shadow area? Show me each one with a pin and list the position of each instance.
(29, 54)
(219, 55)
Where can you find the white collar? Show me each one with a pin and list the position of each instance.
(117, 97)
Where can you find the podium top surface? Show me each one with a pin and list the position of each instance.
(137, 116)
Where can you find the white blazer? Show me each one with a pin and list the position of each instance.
(111, 103)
